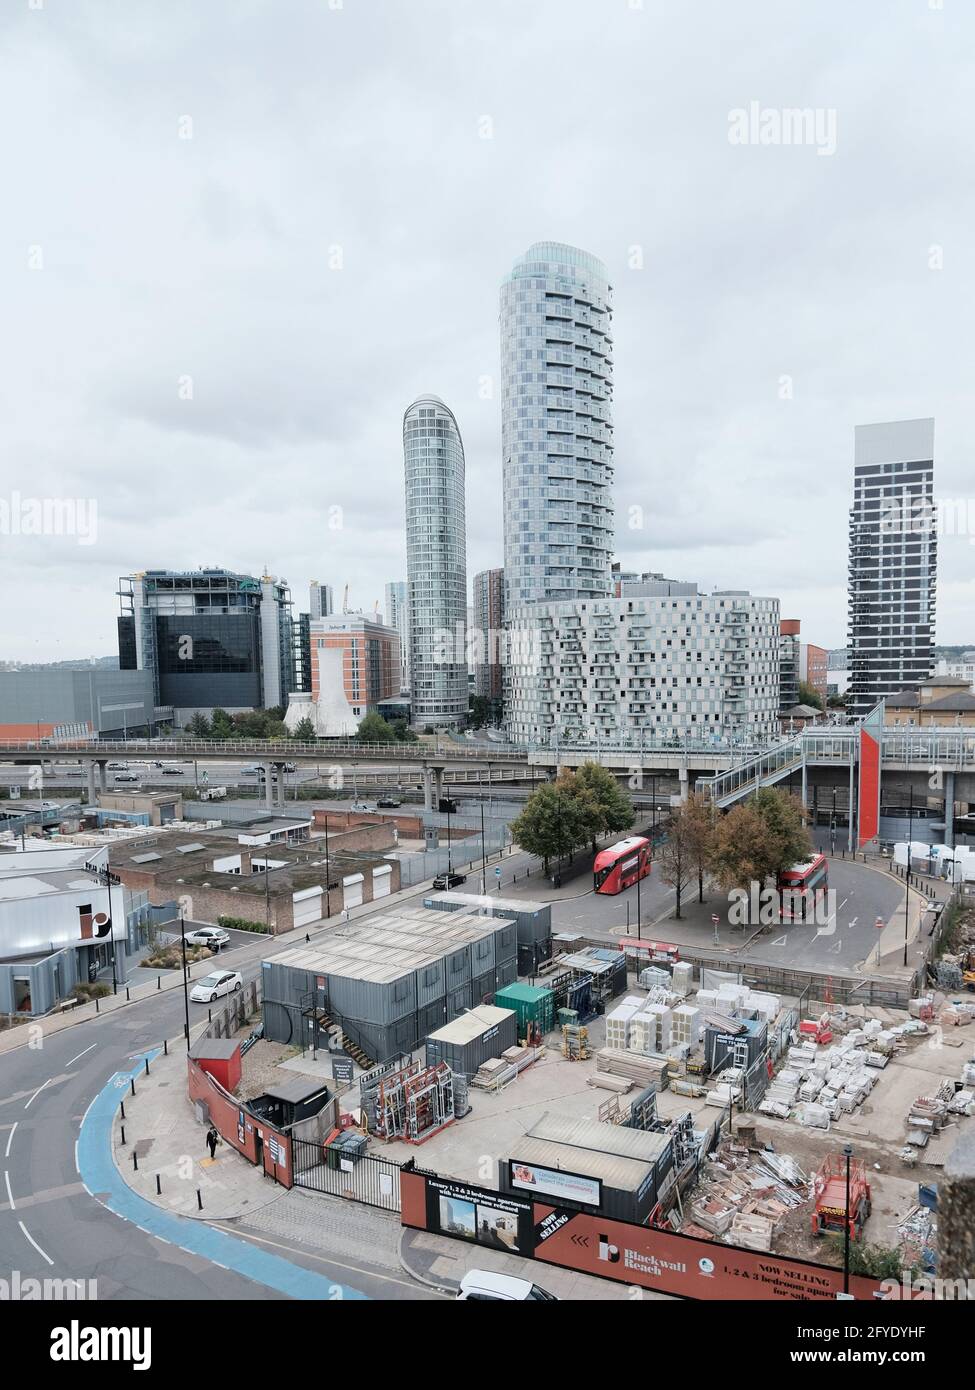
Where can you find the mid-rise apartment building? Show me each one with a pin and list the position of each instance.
(697, 666)
(355, 666)
(485, 637)
(398, 616)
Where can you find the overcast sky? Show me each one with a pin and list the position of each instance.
(240, 236)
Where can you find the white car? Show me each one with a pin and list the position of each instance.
(361, 806)
(211, 987)
(488, 1287)
(207, 936)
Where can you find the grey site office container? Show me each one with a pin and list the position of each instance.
(483, 987)
(532, 919)
(382, 1001)
(465, 1056)
(431, 983)
(458, 1000)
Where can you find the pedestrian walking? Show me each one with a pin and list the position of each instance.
(212, 1138)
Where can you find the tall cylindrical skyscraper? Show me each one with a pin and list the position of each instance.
(436, 564)
(557, 425)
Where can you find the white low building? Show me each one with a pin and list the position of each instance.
(687, 666)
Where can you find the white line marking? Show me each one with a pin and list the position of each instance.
(778, 941)
(10, 1138)
(77, 1166)
(10, 1195)
(34, 1097)
(81, 1054)
(34, 1242)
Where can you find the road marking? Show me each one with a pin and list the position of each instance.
(835, 950)
(34, 1097)
(10, 1195)
(323, 1259)
(779, 940)
(81, 1054)
(852, 922)
(34, 1243)
(76, 1165)
(10, 1138)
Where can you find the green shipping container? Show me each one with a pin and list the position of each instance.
(531, 1004)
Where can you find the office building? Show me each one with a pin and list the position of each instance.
(436, 556)
(557, 426)
(893, 561)
(355, 666)
(398, 617)
(486, 638)
(209, 638)
(701, 667)
(320, 600)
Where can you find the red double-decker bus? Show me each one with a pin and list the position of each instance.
(619, 866)
(801, 887)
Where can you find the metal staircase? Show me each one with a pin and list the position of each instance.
(760, 770)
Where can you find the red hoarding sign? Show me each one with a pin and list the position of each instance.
(680, 1265)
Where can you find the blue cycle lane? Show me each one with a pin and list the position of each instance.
(96, 1167)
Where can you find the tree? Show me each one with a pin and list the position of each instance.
(699, 824)
(481, 710)
(199, 725)
(785, 818)
(614, 809)
(758, 839)
(809, 695)
(374, 729)
(675, 858)
(402, 730)
(304, 731)
(222, 726)
(555, 820)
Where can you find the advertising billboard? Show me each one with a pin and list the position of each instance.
(478, 1214)
(554, 1182)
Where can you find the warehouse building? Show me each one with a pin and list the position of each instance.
(533, 920)
(611, 1170)
(387, 981)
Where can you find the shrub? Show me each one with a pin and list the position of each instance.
(242, 924)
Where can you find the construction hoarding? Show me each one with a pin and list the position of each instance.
(663, 1261)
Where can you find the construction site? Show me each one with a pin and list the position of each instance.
(671, 1096)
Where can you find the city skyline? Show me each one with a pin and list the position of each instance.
(240, 377)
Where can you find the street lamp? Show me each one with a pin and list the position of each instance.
(847, 1154)
(186, 988)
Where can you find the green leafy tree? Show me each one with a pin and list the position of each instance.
(374, 729)
(555, 821)
(614, 809)
(401, 728)
(304, 731)
(809, 695)
(742, 852)
(786, 822)
(199, 725)
(222, 726)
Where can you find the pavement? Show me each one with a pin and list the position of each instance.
(160, 1127)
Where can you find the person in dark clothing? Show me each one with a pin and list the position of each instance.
(212, 1138)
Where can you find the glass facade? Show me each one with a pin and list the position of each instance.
(436, 553)
(556, 426)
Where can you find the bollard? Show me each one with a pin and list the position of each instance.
(97, 1007)
(209, 1015)
(147, 1066)
(132, 1084)
(158, 982)
(127, 995)
(165, 1047)
(122, 1108)
(122, 1127)
(199, 1200)
(135, 1161)
(158, 1185)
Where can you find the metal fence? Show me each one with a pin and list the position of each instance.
(367, 1178)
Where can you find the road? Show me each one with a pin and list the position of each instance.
(51, 1227)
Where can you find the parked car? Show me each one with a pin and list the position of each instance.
(208, 936)
(488, 1287)
(50, 805)
(361, 806)
(449, 880)
(211, 987)
(387, 802)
